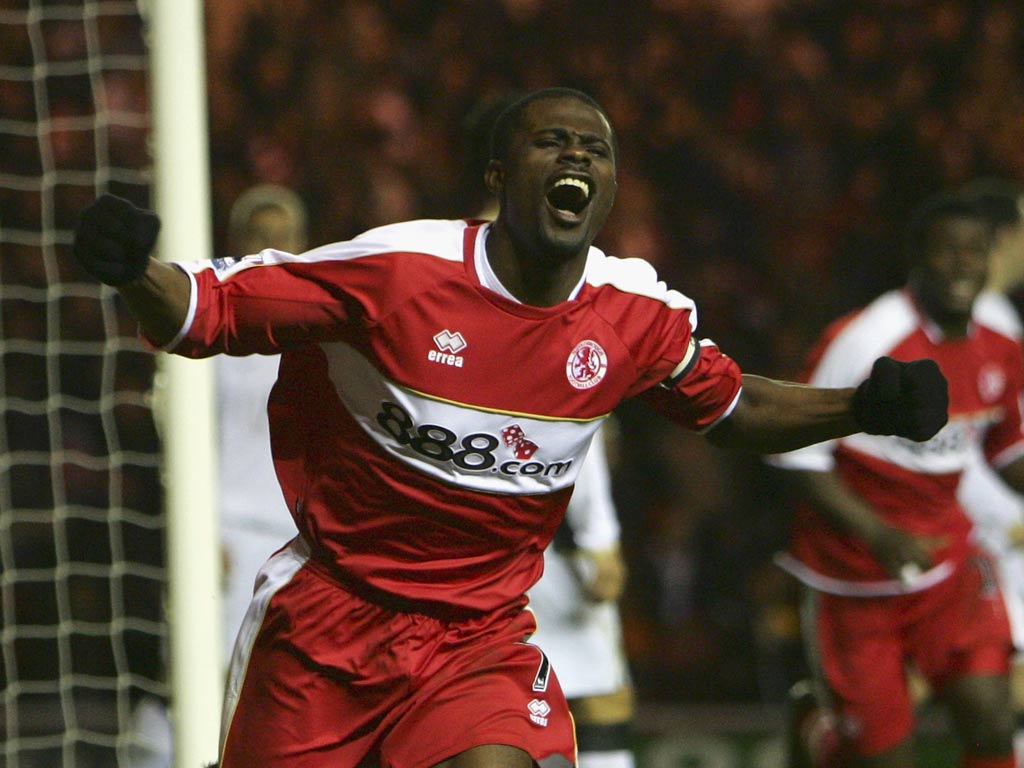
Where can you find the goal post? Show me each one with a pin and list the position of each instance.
(81, 502)
(98, 501)
(185, 387)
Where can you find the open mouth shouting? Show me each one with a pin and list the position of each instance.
(569, 197)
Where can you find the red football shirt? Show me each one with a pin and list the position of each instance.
(911, 485)
(427, 430)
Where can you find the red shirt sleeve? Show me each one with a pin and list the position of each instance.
(705, 394)
(247, 306)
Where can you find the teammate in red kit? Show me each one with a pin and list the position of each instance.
(884, 549)
(393, 629)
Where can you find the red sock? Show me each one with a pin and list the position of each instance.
(987, 762)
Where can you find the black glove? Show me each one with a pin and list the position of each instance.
(906, 399)
(113, 240)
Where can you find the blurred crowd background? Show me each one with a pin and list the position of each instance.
(770, 153)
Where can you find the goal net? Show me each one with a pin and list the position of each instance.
(81, 506)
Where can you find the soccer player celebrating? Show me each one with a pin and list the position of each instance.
(440, 382)
(886, 553)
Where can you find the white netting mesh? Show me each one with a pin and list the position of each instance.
(81, 509)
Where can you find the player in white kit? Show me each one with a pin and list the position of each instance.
(253, 517)
(997, 511)
(578, 623)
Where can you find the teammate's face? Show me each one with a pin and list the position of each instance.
(953, 269)
(271, 227)
(557, 185)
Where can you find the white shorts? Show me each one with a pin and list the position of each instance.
(247, 549)
(995, 509)
(582, 638)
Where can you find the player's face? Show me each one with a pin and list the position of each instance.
(953, 270)
(557, 184)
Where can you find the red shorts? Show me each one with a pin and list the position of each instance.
(958, 627)
(323, 677)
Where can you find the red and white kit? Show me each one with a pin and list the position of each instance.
(426, 430)
(949, 619)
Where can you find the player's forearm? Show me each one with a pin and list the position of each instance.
(895, 550)
(603, 573)
(838, 505)
(775, 417)
(159, 300)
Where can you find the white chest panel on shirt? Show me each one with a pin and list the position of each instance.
(485, 450)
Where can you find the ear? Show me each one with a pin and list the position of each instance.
(494, 177)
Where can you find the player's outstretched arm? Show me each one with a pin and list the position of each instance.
(901, 554)
(906, 399)
(113, 242)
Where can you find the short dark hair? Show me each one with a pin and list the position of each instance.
(998, 199)
(939, 206)
(511, 118)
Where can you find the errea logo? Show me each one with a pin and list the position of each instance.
(539, 711)
(448, 347)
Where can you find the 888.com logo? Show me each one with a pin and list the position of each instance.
(476, 452)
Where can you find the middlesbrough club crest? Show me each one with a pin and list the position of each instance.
(587, 365)
(991, 383)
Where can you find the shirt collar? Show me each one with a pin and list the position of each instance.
(490, 280)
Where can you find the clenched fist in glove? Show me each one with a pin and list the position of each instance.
(113, 240)
(905, 399)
